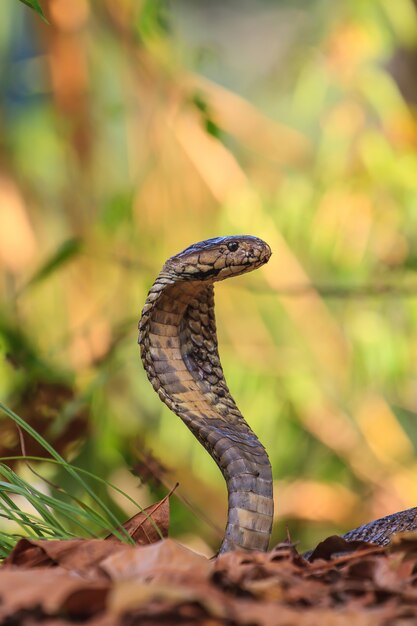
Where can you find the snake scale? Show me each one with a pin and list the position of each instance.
(178, 342)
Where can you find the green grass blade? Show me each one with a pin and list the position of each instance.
(69, 468)
(92, 476)
(34, 4)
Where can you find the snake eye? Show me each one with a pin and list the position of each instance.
(233, 246)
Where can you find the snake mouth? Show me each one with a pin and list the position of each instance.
(213, 273)
(202, 275)
(262, 261)
(252, 262)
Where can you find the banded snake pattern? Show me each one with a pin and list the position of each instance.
(179, 350)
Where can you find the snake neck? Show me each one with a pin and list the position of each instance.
(179, 351)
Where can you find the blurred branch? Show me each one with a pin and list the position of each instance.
(344, 292)
(64, 253)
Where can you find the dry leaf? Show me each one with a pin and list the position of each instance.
(335, 546)
(132, 596)
(166, 560)
(52, 590)
(83, 556)
(106, 583)
(150, 525)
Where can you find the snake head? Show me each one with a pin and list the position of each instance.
(219, 258)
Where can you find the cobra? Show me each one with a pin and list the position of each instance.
(179, 350)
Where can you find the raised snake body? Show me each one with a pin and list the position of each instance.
(177, 337)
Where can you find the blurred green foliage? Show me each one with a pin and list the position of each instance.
(131, 130)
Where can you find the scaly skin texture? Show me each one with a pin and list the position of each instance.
(178, 341)
(380, 531)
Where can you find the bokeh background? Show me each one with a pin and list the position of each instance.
(132, 129)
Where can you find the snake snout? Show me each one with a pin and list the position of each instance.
(259, 253)
(266, 254)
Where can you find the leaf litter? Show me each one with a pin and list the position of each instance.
(104, 582)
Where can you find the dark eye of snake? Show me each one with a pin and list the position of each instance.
(233, 246)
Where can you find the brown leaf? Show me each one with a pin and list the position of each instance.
(150, 525)
(271, 614)
(81, 555)
(335, 546)
(166, 560)
(160, 600)
(107, 583)
(238, 569)
(405, 541)
(51, 590)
